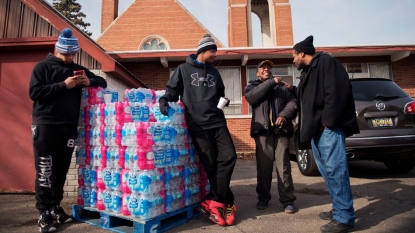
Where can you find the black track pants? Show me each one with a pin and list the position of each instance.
(218, 156)
(53, 146)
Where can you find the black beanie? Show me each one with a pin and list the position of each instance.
(206, 43)
(306, 46)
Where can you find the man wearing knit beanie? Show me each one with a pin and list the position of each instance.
(200, 87)
(56, 89)
(326, 118)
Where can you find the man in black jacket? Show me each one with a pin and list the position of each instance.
(273, 109)
(200, 87)
(56, 94)
(326, 117)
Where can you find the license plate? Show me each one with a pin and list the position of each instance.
(382, 122)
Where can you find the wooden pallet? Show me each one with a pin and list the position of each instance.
(123, 224)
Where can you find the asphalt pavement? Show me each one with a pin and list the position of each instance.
(384, 202)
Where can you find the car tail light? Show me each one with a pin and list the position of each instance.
(409, 108)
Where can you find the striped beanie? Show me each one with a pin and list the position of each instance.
(206, 43)
(67, 44)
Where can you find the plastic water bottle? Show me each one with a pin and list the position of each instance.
(119, 112)
(159, 94)
(116, 201)
(100, 201)
(135, 111)
(86, 174)
(100, 182)
(81, 118)
(133, 204)
(86, 195)
(80, 199)
(127, 117)
(158, 152)
(80, 155)
(110, 114)
(174, 200)
(93, 197)
(158, 207)
(87, 120)
(107, 199)
(191, 194)
(80, 177)
(145, 158)
(94, 95)
(124, 208)
(84, 98)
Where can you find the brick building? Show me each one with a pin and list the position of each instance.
(151, 49)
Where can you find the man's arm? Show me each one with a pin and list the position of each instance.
(39, 89)
(290, 110)
(174, 87)
(256, 94)
(336, 82)
(94, 80)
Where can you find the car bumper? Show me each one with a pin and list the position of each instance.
(382, 141)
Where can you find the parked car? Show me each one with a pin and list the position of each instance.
(386, 119)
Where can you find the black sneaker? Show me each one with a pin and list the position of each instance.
(60, 216)
(262, 204)
(326, 215)
(45, 222)
(336, 227)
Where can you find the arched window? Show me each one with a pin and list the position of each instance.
(154, 43)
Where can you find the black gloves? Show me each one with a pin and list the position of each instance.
(227, 104)
(164, 106)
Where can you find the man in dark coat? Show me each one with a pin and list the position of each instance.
(326, 117)
(274, 108)
(200, 87)
(56, 91)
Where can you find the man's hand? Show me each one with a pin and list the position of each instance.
(285, 84)
(83, 80)
(164, 106)
(71, 82)
(278, 80)
(280, 121)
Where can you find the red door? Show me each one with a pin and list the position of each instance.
(17, 173)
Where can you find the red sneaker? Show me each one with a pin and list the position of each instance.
(204, 207)
(230, 214)
(217, 213)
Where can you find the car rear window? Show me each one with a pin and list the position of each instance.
(371, 89)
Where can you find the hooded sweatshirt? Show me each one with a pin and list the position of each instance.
(200, 87)
(52, 102)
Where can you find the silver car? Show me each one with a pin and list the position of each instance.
(386, 119)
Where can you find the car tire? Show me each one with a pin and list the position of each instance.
(400, 165)
(306, 163)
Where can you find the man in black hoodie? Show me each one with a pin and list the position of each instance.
(56, 93)
(273, 109)
(200, 87)
(326, 117)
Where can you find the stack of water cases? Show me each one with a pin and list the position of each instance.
(132, 159)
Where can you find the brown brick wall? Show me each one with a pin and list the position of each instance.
(404, 74)
(152, 74)
(238, 25)
(109, 13)
(239, 129)
(165, 18)
(283, 24)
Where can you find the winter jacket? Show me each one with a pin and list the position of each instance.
(261, 95)
(200, 87)
(52, 102)
(325, 97)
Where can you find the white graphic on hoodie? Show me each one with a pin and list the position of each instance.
(45, 165)
(209, 81)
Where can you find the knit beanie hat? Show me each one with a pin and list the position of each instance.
(206, 43)
(67, 44)
(306, 46)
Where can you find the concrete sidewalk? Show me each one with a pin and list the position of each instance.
(384, 203)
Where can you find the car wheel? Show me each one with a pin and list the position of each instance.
(400, 165)
(306, 163)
